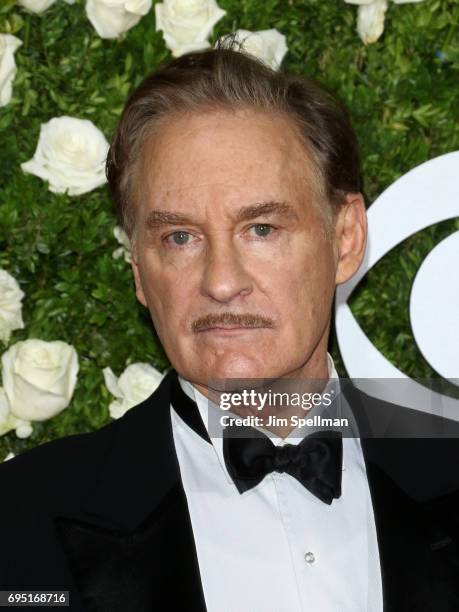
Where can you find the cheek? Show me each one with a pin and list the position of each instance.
(167, 291)
(303, 273)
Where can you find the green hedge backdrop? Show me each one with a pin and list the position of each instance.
(403, 95)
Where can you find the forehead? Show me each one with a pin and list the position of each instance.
(225, 155)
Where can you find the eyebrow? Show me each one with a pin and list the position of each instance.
(159, 218)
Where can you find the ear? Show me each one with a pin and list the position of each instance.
(139, 292)
(350, 236)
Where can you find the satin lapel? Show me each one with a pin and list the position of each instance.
(405, 555)
(130, 545)
(408, 572)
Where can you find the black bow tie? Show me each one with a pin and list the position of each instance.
(316, 461)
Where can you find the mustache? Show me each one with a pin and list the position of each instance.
(229, 319)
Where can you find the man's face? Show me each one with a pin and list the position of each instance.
(231, 256)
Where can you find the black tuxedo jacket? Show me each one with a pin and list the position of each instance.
(104, 515)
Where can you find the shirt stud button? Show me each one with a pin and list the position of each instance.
(310, 558)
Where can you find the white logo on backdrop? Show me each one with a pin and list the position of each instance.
(425, 195)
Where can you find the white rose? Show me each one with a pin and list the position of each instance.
(70, 155)
(39, 378)
(111, 18)
(8, 46)
(136, 383)
(125, 249)
(10, 306)
(370, 19)
(8, 421)
(38, 6)
(270, 46)
(187, 24)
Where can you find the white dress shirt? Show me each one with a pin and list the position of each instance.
(277, 547)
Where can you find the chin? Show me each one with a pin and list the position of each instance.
(236, 367)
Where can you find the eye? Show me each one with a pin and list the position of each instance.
(414, 224)
(178, 238)
(262, 230)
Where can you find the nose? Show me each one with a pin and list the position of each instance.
(224, 277)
